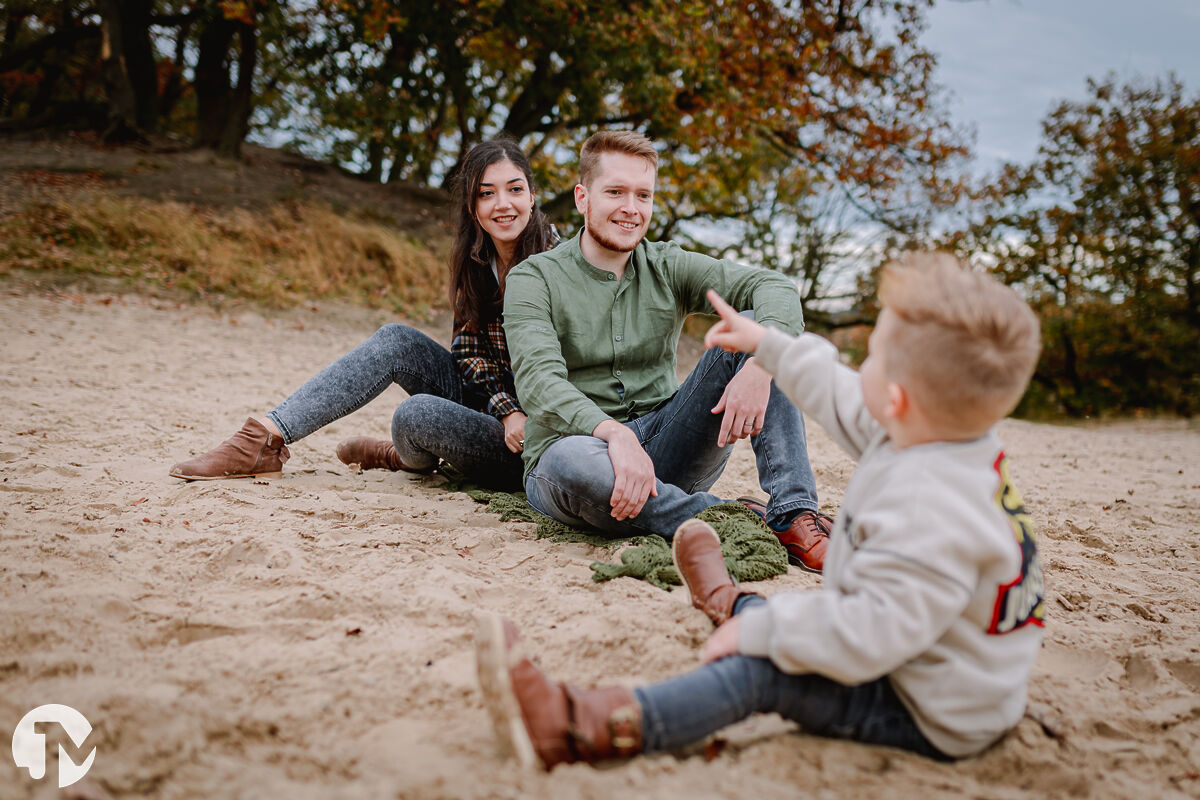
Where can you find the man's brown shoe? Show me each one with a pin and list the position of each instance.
(363, 452)
(696, 551)
(539, 720)
(251, 452)
(805, 539)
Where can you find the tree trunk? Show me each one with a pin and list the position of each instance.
(173, 85)
(375, 154)
(122, 105)
(211, 82)
(139, 61)
(223, 111)
(1073, 406)
(11, 28)
(242, 101)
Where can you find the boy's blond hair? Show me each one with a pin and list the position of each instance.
(628, 142)
(964, 345)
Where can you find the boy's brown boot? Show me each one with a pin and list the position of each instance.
(542, 721)
(696, 551)
(805, 539)
(251, 452)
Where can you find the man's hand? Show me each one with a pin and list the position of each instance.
(723, 642)
(632, 468)
(514, 431)
(744, 402)
(734, 333)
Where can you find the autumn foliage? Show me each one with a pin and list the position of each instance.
(808, 136)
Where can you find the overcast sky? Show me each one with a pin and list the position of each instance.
(1007, 62)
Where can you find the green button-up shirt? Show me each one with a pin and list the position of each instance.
(587, 347)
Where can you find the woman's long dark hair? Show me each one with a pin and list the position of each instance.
(472, 289)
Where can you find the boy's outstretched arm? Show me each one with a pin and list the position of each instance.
(734, 332)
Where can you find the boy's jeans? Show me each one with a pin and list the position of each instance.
(432, 424)
(687, 709)
(573, 480)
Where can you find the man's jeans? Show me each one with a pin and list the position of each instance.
(573, 480)
(687, 709)
(432, 424)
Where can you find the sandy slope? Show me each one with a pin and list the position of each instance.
(310, 636)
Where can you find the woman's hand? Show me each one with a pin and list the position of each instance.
(514, 431)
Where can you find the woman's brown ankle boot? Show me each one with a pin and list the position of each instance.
(251, 452)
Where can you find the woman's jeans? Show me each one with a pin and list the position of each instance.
(573, 480)
(432, 424)
(687, 709)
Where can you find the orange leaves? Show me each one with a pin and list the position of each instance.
(240, 10)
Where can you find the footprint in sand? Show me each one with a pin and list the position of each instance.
(1142, 672)
(1186, 672)
(182, 632)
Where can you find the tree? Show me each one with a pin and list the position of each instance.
(775, 116)
(46, 60)
(228, 49)
(1102, 233)
(130, 75)
(743, 89)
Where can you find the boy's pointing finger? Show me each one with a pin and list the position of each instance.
(722, 308)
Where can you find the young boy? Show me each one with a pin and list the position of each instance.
(926, 627)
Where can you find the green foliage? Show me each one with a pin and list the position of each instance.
(1102, 233)
(793, 125)
(749, 99)
(47, 59)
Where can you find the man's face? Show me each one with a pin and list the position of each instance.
(618, 201)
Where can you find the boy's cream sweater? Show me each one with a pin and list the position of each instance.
(931, 577)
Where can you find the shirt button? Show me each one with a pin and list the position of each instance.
(618, 338)
(618, 372)
(612, 277)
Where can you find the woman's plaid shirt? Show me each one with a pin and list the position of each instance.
(486, 368)
(487, 375)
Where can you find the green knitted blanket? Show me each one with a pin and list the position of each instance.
(752, 552)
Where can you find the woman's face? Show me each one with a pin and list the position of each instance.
(503, 203)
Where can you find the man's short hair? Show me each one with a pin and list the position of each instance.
(964, 346)
(628, 142)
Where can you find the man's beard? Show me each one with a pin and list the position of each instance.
(607, 243)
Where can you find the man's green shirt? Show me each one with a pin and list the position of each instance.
(587, 347)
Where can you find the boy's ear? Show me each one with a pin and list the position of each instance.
(897, 401)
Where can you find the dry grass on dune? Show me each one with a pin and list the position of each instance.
(282, 254)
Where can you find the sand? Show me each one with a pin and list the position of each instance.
(311, 635)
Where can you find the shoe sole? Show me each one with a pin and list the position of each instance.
(691, 523)
(798, 563)
(225, 477)
(491, 664)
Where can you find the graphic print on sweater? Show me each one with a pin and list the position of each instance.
(1019, 602)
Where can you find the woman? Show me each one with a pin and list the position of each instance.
(463, 406)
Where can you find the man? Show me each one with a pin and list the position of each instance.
(612, 442)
